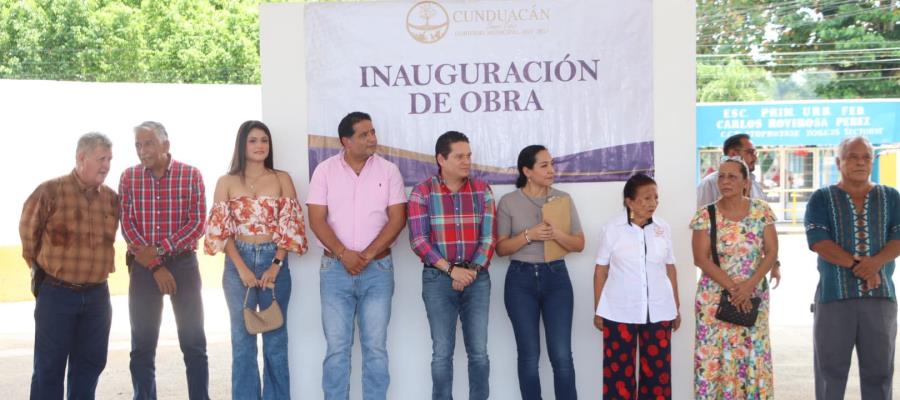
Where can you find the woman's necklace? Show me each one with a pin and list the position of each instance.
(252, 183)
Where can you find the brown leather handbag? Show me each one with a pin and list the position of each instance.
(263, 321)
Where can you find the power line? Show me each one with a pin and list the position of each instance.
(801, 53)
(781, 10)
(777, 10)
(836, 78)
(804, 61)
(834, 62)
(849, 71)
(824, 19)
(871, 78)
(801, 44)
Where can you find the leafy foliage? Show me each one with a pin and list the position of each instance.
(806, 48)
(190, 41)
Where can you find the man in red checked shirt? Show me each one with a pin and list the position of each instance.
(452, 229)
(162, 203)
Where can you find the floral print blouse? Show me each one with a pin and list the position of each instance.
(279, 216)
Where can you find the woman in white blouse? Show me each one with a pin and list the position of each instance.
(636, 296)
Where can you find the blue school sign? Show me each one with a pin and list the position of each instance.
(792, 123)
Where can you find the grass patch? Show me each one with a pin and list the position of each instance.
(15, 278)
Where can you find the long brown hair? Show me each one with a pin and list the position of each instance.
(239, 159)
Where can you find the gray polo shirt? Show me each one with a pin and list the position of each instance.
(518, 212)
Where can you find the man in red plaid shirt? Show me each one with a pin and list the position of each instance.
(163, 207)
(452, 229)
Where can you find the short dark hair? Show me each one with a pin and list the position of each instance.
(345, 127)
(734, 142)
(527, 158)
(442, 146)
(634, 183)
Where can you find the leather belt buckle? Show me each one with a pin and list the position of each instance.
(467, 265)
(386, 252)
(77, 287)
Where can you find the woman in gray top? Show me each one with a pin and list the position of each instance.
(535, 286)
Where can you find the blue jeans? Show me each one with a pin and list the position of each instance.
(444, 306)
(69, 326)
(145, 305)
(534, 291)
(366, 300)
(245, 382)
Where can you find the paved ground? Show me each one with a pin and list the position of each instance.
(791, 325)
(791, 331)
(17, 342)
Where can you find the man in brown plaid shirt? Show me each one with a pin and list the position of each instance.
(68, 227)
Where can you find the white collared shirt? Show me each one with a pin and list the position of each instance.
(637, 284)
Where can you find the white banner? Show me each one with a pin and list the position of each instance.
(573, 75)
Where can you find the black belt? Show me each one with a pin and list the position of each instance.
(168, 258)
(78, 287)
(464, 265)
(178, 256)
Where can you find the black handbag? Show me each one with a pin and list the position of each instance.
(727, 312)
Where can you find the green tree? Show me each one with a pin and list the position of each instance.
(731, 82)
(851, 48)
(192, 41)
(812, 48)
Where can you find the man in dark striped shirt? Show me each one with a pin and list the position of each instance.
(163, 208)
(854, 227)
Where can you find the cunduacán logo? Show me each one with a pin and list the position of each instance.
(427, 22)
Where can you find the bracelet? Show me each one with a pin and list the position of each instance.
(527, 240)
(855, 263)
(450, 270)
(341, 256)
(156, 268)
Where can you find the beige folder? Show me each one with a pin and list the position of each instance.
(558, 213)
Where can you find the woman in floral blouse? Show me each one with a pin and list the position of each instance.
(732, 361)
(256, 220)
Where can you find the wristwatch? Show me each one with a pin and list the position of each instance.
(160, 251)
(276, 261)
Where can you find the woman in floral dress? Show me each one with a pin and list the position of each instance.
(732, 361)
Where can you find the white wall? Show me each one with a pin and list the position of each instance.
(284, 109)
(42, 121)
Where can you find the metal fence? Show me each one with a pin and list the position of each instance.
(788, 175)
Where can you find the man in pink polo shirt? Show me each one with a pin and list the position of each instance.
(357, 207)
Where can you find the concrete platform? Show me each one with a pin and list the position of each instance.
(791, 332)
